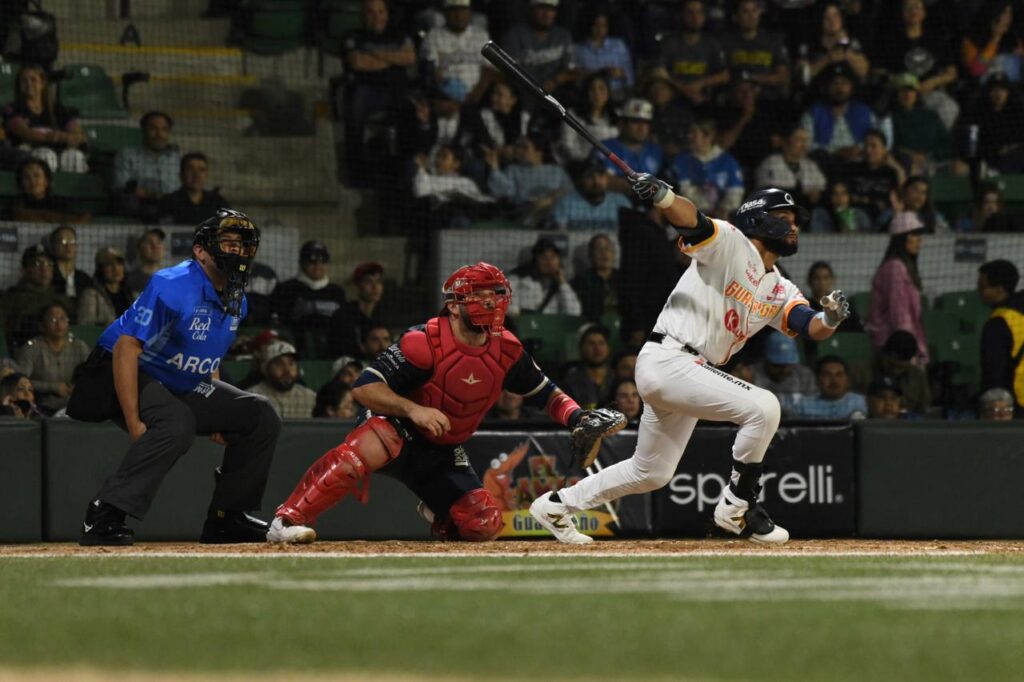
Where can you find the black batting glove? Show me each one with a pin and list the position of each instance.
(647, 187)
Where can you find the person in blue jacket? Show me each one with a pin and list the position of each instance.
(155, 372)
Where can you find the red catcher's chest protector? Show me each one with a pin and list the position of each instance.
(467, 380)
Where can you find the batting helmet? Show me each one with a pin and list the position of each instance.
(752, 216)
(464, 286)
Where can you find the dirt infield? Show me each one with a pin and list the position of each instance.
(537, 548)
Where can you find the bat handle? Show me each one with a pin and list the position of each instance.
(622, 165)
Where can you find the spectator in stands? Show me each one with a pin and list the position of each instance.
(35, 203)
(838, 215)
(62, 245)
(988, 212)
(873, 180)
(504, 121)
(624, 364)
(377, 57)
(898, 361)
(50, 359)
(590, 380)
(757, 52)
(455, 199)
(149, 257)
(994, 117)
(822, 281)
(17, 397)
(834, 399)
(353, 319)
(885, 399)
(896, 287)
(919, 135)
(280, 368)
(533, 182)
(745, 129)
(142, 175)
(992, 45)
(544, 47)
(308, 301)
(192, 203)
(540, 286)
(590, 207)
(509, 407)
(376, 339)
(924, 51)
(838, 124)
(596, 114)
(452, 54)
(672, 116)
(706, 174)
(109, 295)
(1003, 333)
(633, 145)
(47, 129)
(790, 169)
(915, 197)
(600, 53)
(34, 291)
(626, 398)
(995, 405)
(597, 286)
(334, 401)
(259, 292)
(695, 61)
(834, 45)
(780, 370)
(346, 370)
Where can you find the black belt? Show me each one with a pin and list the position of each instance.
(658, 337)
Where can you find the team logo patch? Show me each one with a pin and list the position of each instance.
(461, 458)
(204, 389)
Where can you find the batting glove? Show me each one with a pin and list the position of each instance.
(649, 188)
(835, 308)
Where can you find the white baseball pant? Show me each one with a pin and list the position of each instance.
(678, 388)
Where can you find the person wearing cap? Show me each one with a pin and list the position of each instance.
(543, 47)
(351, 322)
(590, 207)
(708, 175)
(149, 257)
(885, 399)
(834, 399)
(62, 245)
(346, 369)
(21, 303)
(452, 54)
(896, 286)
(600, 53)
(633, 145)
(1002, 335)
(191, 203)
(897, 362)
(918, 133)
(791, 169)
(993, 121)
(695, 60)
(760, 53)
(838, 123)
(50, 359)
(144, 174)
(307, 301)
(108, 296)
(540, 286)
(280, 369)
(780, 370)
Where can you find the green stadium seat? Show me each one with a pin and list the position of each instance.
(85, 190)
(274, 26)
(342, 16)
(8, 184)
(853, 347)
(91, 91)
(1013, 187)
(556, 334)
(8, 82)
(3, 344)
(949, 344)
(861, 303)
(113, 138)
(316, 373)
(614, 323)
(966, 308)
(89, 333)
(951, 190)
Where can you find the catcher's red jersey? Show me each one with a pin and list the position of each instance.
(466, 380)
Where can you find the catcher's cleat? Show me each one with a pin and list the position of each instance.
(228, 527)
(282, 531)
(592, 426)
(735, 515)
(558, 520)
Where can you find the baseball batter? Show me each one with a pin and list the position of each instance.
(731, 292)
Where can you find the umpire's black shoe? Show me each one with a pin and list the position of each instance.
(104, 525)
(223, 527)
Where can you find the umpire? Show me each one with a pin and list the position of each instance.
(154, 372)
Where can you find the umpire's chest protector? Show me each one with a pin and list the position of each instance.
(467, 380)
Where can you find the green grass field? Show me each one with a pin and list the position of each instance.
(749, 617)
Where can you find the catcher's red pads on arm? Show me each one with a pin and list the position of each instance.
(591, 428)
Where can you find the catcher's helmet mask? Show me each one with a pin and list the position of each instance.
(464, 286)
(234, 266)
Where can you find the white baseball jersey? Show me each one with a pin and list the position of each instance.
(726, 296)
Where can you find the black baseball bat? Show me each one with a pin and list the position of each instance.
(502, 61)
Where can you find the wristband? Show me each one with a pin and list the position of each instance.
(666, 200)
(824, 320)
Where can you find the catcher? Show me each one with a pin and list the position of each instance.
(426, 395)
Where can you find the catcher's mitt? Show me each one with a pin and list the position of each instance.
(591, 428)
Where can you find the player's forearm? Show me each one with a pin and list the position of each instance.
(380, 399)
(681, 212)
(818, 330)
(126, 377)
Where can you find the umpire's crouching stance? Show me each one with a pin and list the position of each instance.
(154, 372)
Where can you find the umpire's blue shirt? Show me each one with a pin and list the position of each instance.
(182, 324)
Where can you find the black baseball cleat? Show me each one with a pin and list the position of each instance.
(225, 527)
(104, 525)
